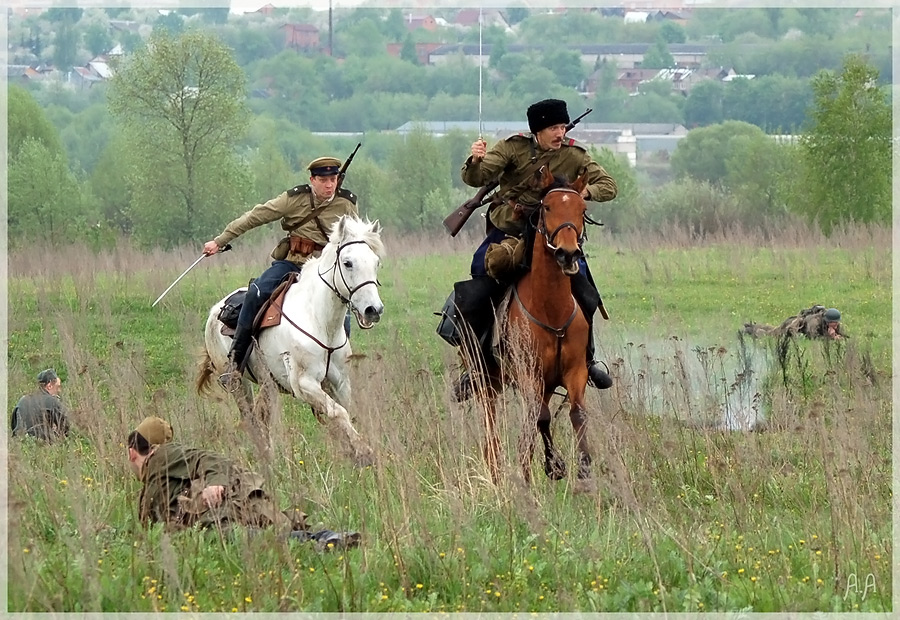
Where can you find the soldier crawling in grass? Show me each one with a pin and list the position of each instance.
(814, 322)
(188, 487)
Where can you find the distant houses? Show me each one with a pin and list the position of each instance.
(634, 141)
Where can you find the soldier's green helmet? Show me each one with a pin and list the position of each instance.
(832, 315)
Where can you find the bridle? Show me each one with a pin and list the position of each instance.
(559, 332)
(549, 238)
(336, 267)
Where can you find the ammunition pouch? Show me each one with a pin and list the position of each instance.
(281, 250)
(303, 246)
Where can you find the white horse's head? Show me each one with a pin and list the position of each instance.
(358, 251)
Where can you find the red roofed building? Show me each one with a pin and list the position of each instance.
(300, 36)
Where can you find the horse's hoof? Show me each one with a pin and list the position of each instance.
(555, 468)
(584, 486)
(364, 458)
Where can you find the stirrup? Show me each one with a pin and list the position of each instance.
(231, 379)
(463, 390)
(597, 377)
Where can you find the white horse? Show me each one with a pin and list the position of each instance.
(307, 353)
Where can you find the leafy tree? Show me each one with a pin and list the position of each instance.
(620, 213)
(847, 147)
(180, 103)
(703, 153)
(704, 104)
(97, 38)
(754, 165)
(394, 26)
(670, 32)
(566, 65)
(271, 172)
(498, 50)
(60, 15)
(652, 108)
(361, 39)
(25, 120)
(516, 14)
(65, 46)
(658, 56)
(110, 188)
(408, 51)
(39, 187)
(171, 22)
(422, 165)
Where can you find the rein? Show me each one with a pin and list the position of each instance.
(344, 300)
(559, 332)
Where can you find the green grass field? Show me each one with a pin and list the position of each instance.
(685, 518)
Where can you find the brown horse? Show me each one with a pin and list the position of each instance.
(551, 330)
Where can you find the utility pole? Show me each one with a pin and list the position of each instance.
(330, 32)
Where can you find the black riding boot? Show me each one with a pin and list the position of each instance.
(597, 376)
(234, 372)
(475, 300)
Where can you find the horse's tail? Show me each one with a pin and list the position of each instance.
(205, 370)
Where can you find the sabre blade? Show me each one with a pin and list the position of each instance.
(194, 264)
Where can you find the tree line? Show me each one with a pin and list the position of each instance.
(182, 158)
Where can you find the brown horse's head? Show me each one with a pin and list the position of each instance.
(561, 220)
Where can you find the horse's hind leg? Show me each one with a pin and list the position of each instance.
(554, 465)
(258, 431)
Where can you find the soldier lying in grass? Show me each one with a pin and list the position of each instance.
(185, 487)
(814, 322)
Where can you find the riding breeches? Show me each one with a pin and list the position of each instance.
(263, 287)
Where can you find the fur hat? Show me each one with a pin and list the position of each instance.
(155, 430)
(324, 167)
(547, 113)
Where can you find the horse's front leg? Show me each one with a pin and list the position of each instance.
(554, 464)
(578, 416)
(308, 387)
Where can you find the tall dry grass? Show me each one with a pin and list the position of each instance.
(681, 504)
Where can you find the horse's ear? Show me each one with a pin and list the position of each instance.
(581, 182)
(375, 227)
(340, 228)
(543, 178)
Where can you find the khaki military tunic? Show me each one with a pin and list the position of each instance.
(174, 477)
(292, 208)
(510, 162)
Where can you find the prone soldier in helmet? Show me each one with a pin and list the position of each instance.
(814, 322)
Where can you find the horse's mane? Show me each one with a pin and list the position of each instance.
(559, 182)
(364, 230)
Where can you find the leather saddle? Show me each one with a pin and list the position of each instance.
(269, 314)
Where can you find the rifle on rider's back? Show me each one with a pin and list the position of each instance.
(343, 171)
(457, 219)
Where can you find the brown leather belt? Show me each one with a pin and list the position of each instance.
(303, 246)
